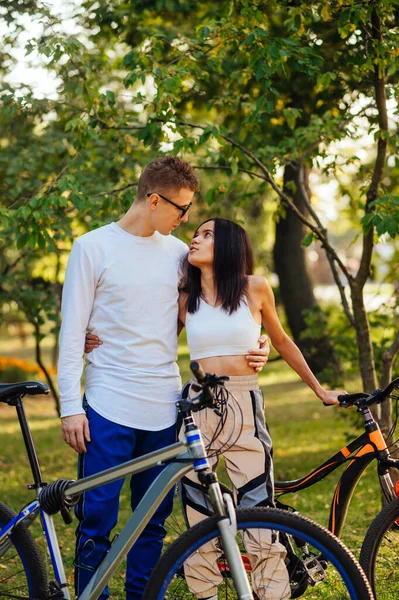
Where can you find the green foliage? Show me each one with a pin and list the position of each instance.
(384, 216)
(234, 87)
(335, 326)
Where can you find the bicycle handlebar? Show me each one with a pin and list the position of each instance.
(363, 399)
(197, 371)
(206, 383)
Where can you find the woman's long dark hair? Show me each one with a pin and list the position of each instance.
(233, 261)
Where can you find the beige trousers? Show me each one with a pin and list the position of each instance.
(247, 449)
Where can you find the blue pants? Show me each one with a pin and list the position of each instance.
(97, 511)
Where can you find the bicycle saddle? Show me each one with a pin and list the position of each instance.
(10, 390)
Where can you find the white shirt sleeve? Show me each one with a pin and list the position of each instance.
(77, 303)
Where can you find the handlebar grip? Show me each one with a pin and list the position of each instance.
(197, 371)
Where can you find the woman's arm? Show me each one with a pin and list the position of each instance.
(285, 346)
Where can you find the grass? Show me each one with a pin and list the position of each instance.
(304, 433)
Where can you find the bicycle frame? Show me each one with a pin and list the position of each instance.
(133, 528)
(183, 457)
(364, 449)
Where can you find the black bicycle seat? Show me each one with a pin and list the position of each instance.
(11, 390)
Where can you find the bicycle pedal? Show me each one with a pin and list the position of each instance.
(314, 570)
(55, 592)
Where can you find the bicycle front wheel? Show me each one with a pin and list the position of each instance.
(285, 556)
(380, 552)
(22, 571)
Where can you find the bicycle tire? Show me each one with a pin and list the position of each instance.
(22, 572)
(166, 580)
(380, 547)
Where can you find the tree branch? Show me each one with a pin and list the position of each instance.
(105, 125)
(10, 266)
(267, 177)
(197, 49)
(341, 289)
(115, 190)
(380, 96)
(330, 257)
(340, 126)
(387, 361)
(49, 188)
(226, 167)
(386, 376)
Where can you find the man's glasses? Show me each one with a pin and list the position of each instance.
(181, 208)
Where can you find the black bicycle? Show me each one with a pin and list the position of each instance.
(380, 549)
(380, 553)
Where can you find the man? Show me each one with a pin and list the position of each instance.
(122, 285)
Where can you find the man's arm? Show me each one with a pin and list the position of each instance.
(77, 303)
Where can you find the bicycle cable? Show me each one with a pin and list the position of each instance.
(223, 407)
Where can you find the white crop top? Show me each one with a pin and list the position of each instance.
(211, 331)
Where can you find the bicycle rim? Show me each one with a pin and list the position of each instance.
(22, 572)
(273, 545)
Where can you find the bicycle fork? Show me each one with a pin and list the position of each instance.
(224, 508)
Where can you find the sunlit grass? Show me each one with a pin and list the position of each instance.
(305, 433)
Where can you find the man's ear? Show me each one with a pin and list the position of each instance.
(153, 201)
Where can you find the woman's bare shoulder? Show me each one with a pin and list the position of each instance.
(258, 283)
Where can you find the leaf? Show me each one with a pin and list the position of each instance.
(204, 32)
(73, 124)
(209, 196)
(110, 97)
(41, 241)
(21, 240)
(290, 117)
(367, 222)
(325, 12)
(308, 239)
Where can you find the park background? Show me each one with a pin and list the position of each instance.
(288, 111)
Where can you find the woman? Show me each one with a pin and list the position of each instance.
(223, 307)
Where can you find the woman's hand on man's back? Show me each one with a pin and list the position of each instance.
(91, 341)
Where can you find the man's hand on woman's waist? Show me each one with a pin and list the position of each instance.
(256, 358)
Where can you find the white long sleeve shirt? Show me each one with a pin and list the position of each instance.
(123, 288)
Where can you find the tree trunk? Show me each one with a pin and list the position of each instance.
(386, 407)
(58, 293)
(43, 368)
(365, 346)
(296, 288)
(386, 376)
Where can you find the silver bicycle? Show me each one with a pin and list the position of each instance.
(244, 568)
